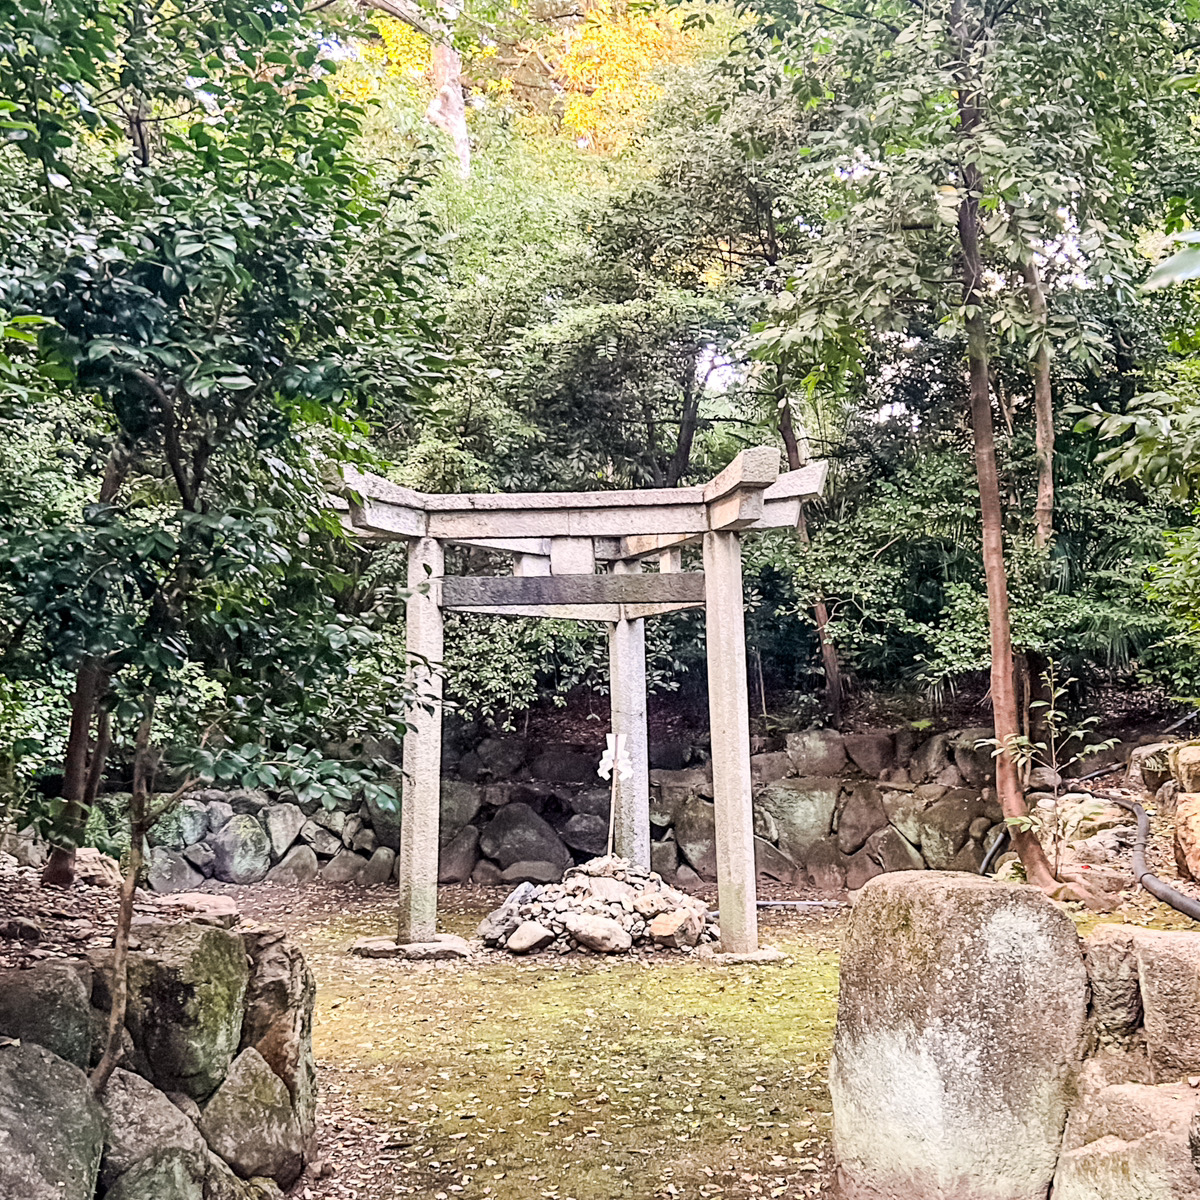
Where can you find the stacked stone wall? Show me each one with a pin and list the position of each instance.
(214, 1097)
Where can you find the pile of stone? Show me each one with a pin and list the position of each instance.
(605, 906)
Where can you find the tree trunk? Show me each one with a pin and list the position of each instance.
(90, 684)
(1004, 698)
(139, 821)
(59, 870)
(447, 110)
(829, 655)
(1043, 405)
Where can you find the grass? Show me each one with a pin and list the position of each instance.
(578, 1079)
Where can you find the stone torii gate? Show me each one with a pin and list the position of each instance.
(556, 540)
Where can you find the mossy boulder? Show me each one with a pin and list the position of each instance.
(961, 1024)
(802, 810)
(139, 1123)
(51, 1127)
(184, 824)
(241, 850)
(186, 988)
(50, 1003)
(251, 1124)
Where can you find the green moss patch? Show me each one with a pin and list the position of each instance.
(581, 1078)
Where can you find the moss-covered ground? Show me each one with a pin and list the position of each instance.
(572, 1078)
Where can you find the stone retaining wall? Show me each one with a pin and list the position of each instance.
(830, 811)
(215, 1094)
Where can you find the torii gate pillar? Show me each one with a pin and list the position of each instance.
(729, 726)
(421, 794)
(627, 694)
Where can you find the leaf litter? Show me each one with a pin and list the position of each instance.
(572, 1079)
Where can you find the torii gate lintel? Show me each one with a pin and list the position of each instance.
(556, 540)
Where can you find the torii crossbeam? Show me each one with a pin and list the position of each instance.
(556, 540)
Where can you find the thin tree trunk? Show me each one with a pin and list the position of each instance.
(1004, 700)
(689, 418)
(1043, 406)
(59, 870)
(829, 655)
(447, 110)
(139, 805)
(90, 684)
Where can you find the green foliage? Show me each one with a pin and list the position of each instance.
(224, 292)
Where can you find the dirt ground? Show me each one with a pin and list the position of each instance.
(565, 1078)
(552, 1078)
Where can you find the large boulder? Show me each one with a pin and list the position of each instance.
(170, 871)
(502, 757)
(379, 868)
(664, 857)
(1169, 974)
(816, 752)
(670, 789)
(344, 867)
(861, 816)
(517, 834)
(906, 806)
(51, 1127)
(1130, 1142)
(1187, 834)
(241, 850)
(1184, 760)
(251, 1124)
(930, 759)
(563, 764)
(186, 987)
(384, 821)
(773, 863)
(283, 823)
(298, 866)
(696, 836)
(323, 841)
(139, 1121)
(802, 810)
(185, 823)
(892, 851)
(586, 833)
(946, 825)
(457, 858)
(50, 1003)
(596, 802)
(961, 1025)
(769, 768)
(825, 867)
(1113, 973)
(278, 1021)
(460, 805)
(872, 753)
(165, 1174)
(974, 760)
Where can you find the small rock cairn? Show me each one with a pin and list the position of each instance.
(606, 906)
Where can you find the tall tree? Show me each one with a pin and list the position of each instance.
(966, 139)
(229, 285)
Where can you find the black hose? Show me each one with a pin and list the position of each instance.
(998, 847)
(1151, 882)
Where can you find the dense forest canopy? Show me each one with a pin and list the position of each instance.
(580, 246)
